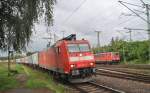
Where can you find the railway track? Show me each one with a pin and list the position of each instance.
(141, 66)
(92, 87)
(124, 75)
(125, 70)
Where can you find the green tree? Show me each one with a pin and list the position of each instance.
(137, 50)
(17, 18)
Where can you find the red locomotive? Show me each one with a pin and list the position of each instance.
(107, 58)
(68, 58)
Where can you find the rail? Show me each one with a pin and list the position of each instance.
(124, 75)
(92, 87)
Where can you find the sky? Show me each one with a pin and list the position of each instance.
(84, 17)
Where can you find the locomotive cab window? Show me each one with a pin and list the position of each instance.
(73, 48)
(84, 47)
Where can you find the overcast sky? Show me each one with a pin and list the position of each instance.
(83, 17)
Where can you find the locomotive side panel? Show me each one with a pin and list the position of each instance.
(50, 59)
(61, 57)
(47, 59)
(42, 59)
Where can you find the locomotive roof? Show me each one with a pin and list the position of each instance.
(77, 41)
(71, 41)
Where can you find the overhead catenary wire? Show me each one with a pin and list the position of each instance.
(74, 11)
(125, 21)
(146, 6)
(131, 29)
(132, 4)
(139, 11)
(132, 16)
(142, 2)
(141, 34)
(133, 11)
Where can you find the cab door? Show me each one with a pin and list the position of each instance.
(59, 59)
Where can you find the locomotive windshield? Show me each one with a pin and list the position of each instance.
(73, 48)
(84, 47)
(78, 47)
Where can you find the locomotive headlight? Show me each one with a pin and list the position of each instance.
(72, 66)
(80, 55)
(91, 64)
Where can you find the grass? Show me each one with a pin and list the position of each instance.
(35, 79)
(41, 80)
(6, 82)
